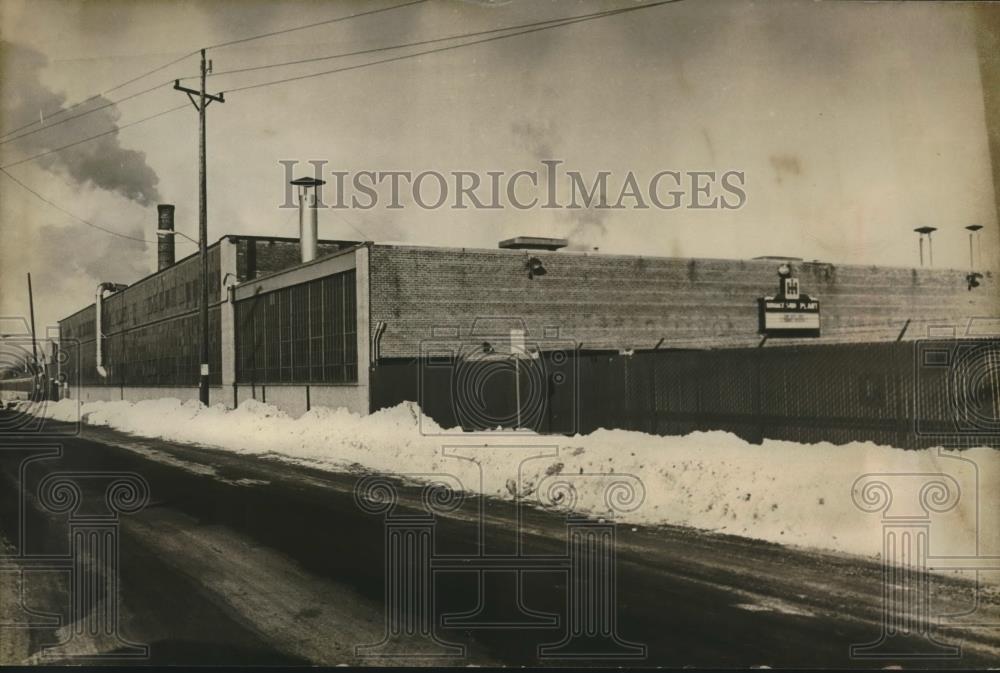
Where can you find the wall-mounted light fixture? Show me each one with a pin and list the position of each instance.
(535, 267)
(230, 287)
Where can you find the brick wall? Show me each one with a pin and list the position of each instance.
(256, 257)
(151, 327)
(617, 301)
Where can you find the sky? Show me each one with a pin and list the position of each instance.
(853, 123)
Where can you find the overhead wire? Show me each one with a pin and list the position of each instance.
(94, 137)
(337, 19)
(99, 95)
(518, 30)
(70, 214)
(556, 23)
(418, 43)
(84, 114)
(44, 115)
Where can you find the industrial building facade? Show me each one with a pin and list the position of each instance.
(364, 325)
(150, 329)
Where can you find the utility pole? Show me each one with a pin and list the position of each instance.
(203, 101)
(31, 310)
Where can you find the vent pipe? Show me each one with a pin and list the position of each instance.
(308, 216)
(98, 326)
(165, 244)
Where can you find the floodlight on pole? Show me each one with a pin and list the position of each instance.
(974, 230)
(926, 231)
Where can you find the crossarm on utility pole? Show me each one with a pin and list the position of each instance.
(219, 98)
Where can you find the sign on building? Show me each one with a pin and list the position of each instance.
(790, 313)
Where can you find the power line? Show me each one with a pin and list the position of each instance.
(346, 221)
(104, 93)
(6, 139)
(93, 137)
(553, 23)
(418, 43)
(84, 114)
(313, 25)
(568, 21)
(66, 212)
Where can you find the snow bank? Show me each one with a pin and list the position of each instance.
(780, 491)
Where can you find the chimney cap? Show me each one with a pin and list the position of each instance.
(925, 230)
(533, 243)
(308, 182)
(974, 227)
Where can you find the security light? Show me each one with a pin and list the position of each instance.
(535, 267)
(926, 231)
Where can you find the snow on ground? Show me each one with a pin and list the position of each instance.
(783, 492)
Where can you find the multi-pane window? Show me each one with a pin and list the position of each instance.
(159, 353)
(304, 333)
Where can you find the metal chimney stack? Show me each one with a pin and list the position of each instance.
(165, 242)
(308, 216)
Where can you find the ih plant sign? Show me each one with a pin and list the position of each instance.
(790, 313)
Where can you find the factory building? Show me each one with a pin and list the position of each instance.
(527, 334)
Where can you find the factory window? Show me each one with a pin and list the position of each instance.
(305, 333)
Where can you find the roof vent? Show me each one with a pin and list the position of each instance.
(533, 243)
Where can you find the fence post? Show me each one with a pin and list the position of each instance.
(904, 364)
(756, 365)
(655, 420)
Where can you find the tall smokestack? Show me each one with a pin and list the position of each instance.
(308, 216)
(165, 244)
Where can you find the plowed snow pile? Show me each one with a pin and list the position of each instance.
(780, 491)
